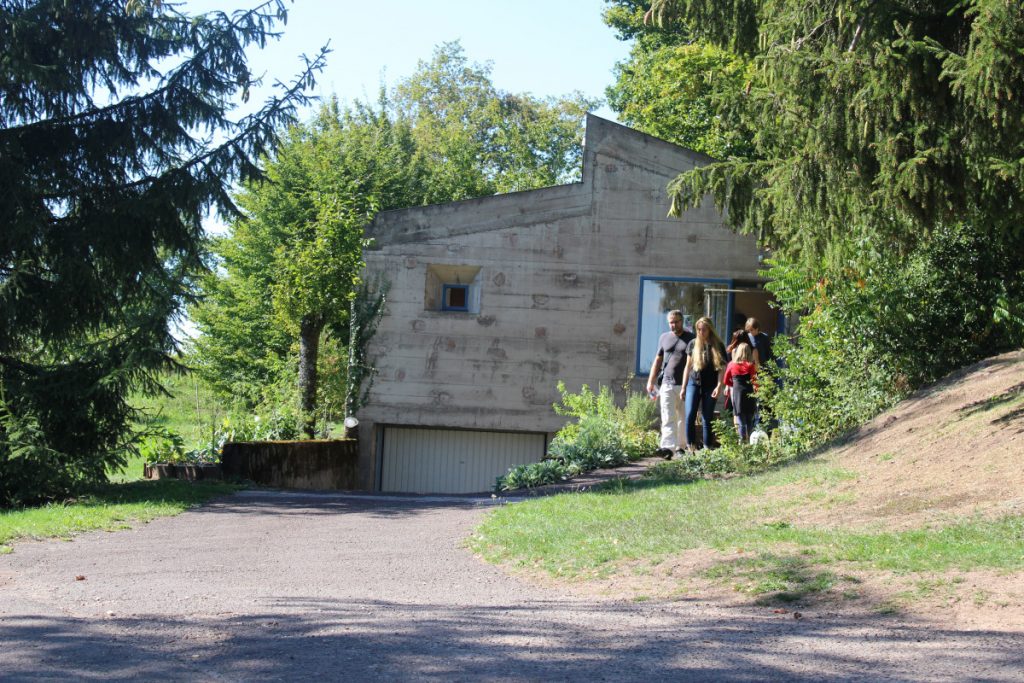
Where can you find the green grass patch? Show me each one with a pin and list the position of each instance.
(110, 507)
(191, 410)
(572, 533)
(590, 533)
(132, 471)
(775, 578)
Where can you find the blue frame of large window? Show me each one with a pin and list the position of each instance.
(654, 318)
(444, 297)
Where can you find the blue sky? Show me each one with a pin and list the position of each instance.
(543, 47)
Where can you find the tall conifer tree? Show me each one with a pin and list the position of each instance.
(879, 122)
(115, 140)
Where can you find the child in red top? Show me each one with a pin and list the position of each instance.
(740, 383)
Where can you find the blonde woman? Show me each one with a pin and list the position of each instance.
(702, 378)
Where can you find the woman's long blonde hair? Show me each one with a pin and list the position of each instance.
(699, 350)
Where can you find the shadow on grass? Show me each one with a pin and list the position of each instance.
(994, 402)
(106, 507)
(159, 491)
(677, 473)
(1016, 415)
(774, 579)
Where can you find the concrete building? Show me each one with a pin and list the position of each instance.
(493, 301)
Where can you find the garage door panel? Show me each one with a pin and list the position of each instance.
(419, 460)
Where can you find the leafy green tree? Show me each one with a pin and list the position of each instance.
(290, 265)
(107, 112)
(681, 93)
(631, 21)
(478, 140)
(677, 89)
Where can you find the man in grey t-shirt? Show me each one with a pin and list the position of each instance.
(671, 355)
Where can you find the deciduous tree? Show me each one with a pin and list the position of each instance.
(479, 140)
(295, 255)
(685, 94)
(291, 264)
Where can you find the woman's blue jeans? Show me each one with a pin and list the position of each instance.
(699, 398)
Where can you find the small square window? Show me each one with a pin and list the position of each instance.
(455, 298)
(452, 288)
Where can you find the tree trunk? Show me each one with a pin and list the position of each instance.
(309, 350)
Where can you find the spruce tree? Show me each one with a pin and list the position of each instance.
(116, 139)
(879, 122)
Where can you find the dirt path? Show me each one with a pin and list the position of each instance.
(281, 586)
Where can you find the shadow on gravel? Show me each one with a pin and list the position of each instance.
(380, 640)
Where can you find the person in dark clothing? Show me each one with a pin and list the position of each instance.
(760, 342)
(671, 357)
(702, 378)
(763, 353)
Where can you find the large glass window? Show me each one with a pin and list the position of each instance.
(694, 297)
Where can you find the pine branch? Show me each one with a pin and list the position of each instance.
(178, 81)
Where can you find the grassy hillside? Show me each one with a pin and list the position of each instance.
(920, 509)
(189, 409)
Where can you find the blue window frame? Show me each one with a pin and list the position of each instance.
(659, 295)
(455, 297)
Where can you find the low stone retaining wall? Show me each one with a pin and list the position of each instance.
(163, 470)
(318, 465)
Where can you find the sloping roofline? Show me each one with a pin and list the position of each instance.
(555, 202)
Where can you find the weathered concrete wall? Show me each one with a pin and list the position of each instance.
(317, 465)
(559, 284)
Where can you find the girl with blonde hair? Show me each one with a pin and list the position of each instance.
(740, 382)
(702, 378)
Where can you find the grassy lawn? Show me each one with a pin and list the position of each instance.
(190, 411)
(132, 471)
(606, 532)
(110, 507)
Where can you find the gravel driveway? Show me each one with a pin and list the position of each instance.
(267, 585)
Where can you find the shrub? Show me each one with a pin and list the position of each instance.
(602, 435)
(731, 457)
(159, 444)
(871, 333)
(536, 474)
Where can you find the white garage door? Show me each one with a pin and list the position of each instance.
(452, 461)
